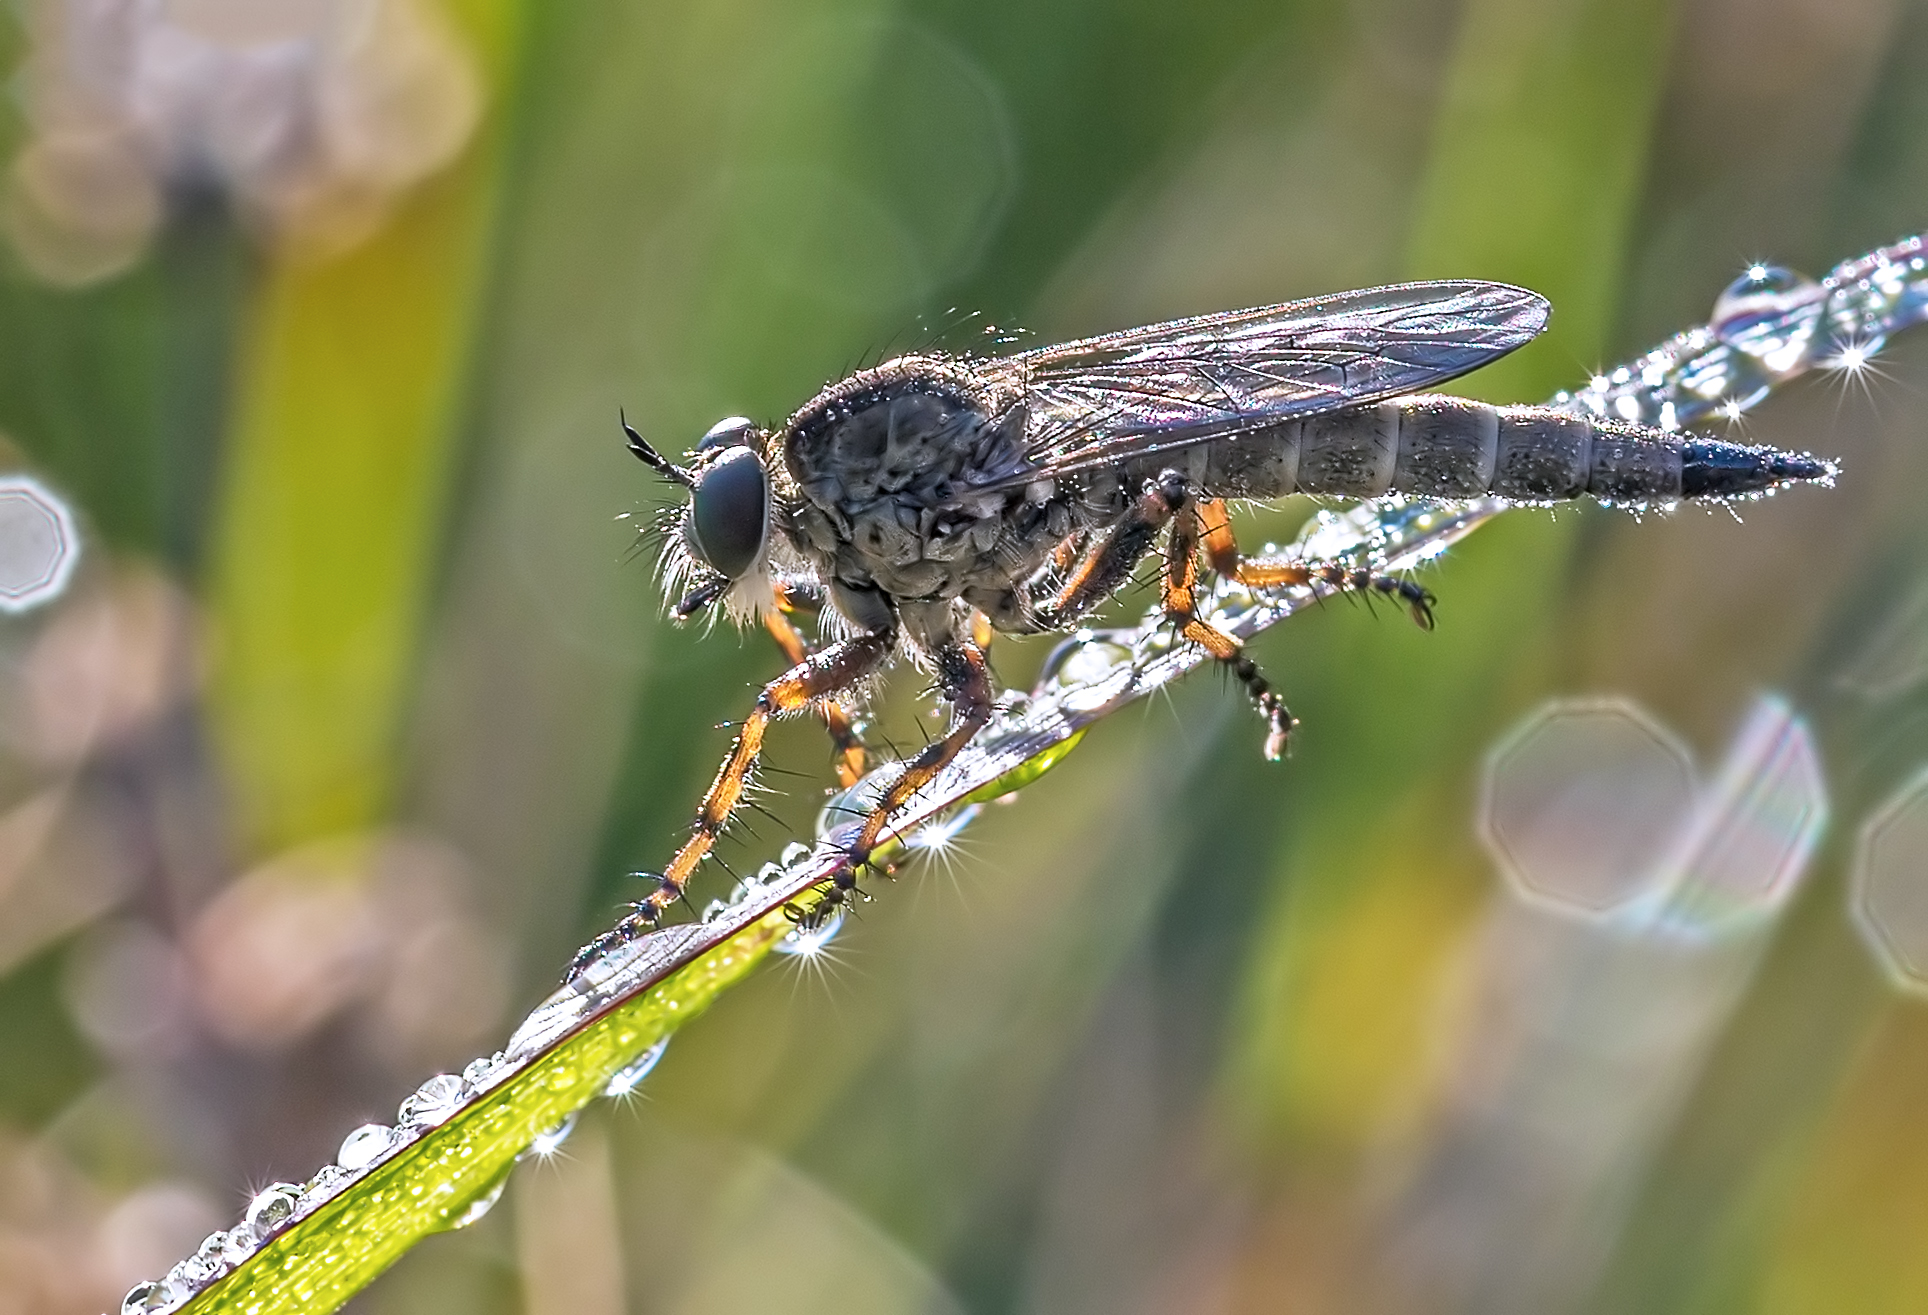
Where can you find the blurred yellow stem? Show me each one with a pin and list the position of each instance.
(332, 504)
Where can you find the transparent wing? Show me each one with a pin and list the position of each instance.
(1099, 401)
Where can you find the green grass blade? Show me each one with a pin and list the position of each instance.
(319, 1262)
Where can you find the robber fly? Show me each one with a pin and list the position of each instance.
(920, 504)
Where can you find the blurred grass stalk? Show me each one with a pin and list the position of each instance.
(347, 398)
(1534, 177)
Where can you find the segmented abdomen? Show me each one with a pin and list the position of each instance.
(1447, 447)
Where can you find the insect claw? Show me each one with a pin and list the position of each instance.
(1278, 738)
(640, 919)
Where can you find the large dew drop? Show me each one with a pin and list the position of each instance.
(432, 1102)
(1769, 317)
(628, 1078)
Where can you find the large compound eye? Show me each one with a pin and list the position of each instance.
(730, 512)
(731, 431)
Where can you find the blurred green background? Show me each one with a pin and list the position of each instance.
(321, 313)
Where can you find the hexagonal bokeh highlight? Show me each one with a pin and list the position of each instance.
(1895, 659)
(1754, 828)
(1889, 892)
(1582, 804)
(38, 545)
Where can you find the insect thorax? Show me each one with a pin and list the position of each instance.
(883, 464)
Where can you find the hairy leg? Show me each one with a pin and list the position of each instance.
(844, 737)
(1221, 549)
(1106, 564)
(1181, 608)
(837, 668)
(965, 679)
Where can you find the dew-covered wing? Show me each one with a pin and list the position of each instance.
(1099, 401)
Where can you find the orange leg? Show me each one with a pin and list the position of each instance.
(1067, 552)
(838, 667)
(843, 731)
(981, 631)
(1181, 606)
(965, 679)
(1107, 564)
(1221, 549)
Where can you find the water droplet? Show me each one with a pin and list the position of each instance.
(38, 544)
(806, 942)
(548, 1143)
(272, 1208)
(935, 837)
(480, 1206)
(627, 1079)
(238, 1243)
(364, 1146)
(794, 856)
(851, 806)
(327, 1182)
(1229, 602)
(1079, 659)
(209, 1259)
(1149, 645)
(1086, 672)
(1335, 534)
(1877, 295)
(154, 1295)
(1769, 315)
(549, 1021)
(432, 1102)
(186, 1276)
(480, 1073)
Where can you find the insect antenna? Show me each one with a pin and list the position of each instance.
(655, 460)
